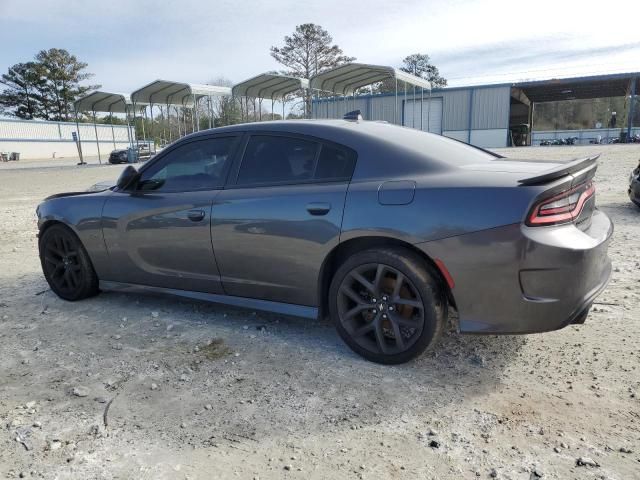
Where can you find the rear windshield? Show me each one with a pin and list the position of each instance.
(437, 147)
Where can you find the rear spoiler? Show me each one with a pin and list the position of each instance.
(560, 171)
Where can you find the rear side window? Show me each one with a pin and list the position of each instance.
(335, 163)
(273, 159)
(278, 159)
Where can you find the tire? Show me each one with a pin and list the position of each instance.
(66, 264)
(413, 311)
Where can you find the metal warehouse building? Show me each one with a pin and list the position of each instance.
(483, 115)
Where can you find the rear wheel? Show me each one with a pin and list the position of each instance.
(387, 305)
(66, 264)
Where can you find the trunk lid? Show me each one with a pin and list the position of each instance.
(548, 179)
(509, 165)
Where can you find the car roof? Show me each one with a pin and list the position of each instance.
(388, 148)
(309, 127)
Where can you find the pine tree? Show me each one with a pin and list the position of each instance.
(45, 88)
(418, 64)
(310, 50)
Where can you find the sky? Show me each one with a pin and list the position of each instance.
(129, 43)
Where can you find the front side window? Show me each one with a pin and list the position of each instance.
(199, 165)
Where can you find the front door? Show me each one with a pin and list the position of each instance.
(280, 216)
(158, 233)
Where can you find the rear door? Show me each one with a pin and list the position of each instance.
(280, 215)
(159, 232)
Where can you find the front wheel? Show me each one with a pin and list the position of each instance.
(66, 264)
(387, 304)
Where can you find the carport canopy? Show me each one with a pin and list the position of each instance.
(103, 102)
(164, 92)
(269, 85)
(347, 78)
(598, 86)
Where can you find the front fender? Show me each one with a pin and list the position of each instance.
(83, 215)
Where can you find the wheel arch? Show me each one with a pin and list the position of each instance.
(343, 250)
(89, 285)
(50, 223)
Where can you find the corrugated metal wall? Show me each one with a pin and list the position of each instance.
(483, 110)
(455, 109)
(381, 107)
(490, 108)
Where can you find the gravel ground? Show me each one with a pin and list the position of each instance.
(194, 390)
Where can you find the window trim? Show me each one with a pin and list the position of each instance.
(232, 182)
(236, 142)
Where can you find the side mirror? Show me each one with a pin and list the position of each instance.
(128, 176)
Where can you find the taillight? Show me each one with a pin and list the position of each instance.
(562, 208)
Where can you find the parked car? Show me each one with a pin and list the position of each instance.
(118, 156)
(634, 185)
(381, 227)
(145, 149)
(121, 155)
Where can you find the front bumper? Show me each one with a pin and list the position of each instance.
(634, 186)
(518, 279)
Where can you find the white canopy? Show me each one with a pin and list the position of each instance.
(103, 102)
(163, 92)
(269, 85)
(347, 78)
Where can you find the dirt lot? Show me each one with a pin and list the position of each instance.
(277, 397)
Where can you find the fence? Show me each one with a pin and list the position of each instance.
(585, 137)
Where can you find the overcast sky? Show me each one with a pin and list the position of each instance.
(130, 43)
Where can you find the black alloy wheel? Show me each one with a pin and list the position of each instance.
(387, 305)
(66, 264)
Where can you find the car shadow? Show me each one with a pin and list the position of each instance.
(298, 370)
(474, 355)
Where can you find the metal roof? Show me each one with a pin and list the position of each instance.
(598, 86)
(269, 85)
(347, 78)
(163, 92)
(103, 102)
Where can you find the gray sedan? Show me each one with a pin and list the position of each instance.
(383, 228)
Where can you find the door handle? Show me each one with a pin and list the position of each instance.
(195, 215)
(318, 208)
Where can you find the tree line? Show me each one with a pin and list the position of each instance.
(46, 87)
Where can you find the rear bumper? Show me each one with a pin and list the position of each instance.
(519, 279)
